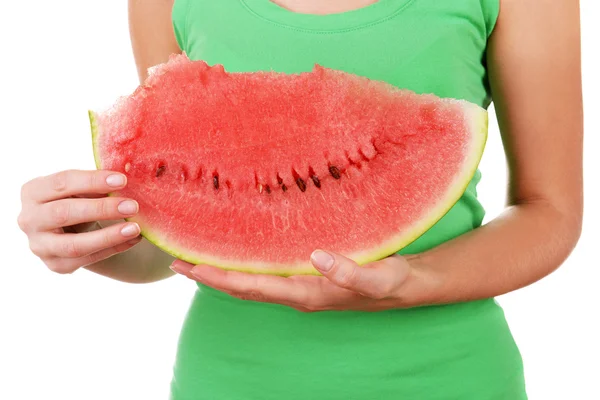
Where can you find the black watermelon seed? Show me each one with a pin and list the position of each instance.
(216, 181)
(268, 189)
(301, 184)
(316, 181)
(160, 170)
(334, 172)
(284, 188)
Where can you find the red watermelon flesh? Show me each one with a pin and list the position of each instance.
(254, 171)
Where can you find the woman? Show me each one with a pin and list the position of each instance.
(418, 325)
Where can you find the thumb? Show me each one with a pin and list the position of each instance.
(377, 280)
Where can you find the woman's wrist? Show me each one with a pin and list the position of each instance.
(424, 284)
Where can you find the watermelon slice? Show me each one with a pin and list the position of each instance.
(254, 171)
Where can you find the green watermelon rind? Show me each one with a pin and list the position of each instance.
(94, 128)
(475, 115)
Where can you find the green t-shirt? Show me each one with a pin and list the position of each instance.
(230, 349)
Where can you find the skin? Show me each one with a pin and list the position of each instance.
(535, 74)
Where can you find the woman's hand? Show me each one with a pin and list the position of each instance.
(344, 285)
(59, 214)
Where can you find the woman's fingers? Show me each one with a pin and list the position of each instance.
(69, 265)
(255, 287)
(78, 245)
(70, 183)
(68, 212)
(54, 206)
(306, 293)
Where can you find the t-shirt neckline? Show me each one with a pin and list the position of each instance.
(348, 20)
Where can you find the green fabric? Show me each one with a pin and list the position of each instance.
(230, 349)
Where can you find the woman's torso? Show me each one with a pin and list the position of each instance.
(230, 349)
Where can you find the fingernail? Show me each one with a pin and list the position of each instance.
(180, 267)
(322, 260)
(116, 180)
(131, 229)
(128, 207)
(176, 269)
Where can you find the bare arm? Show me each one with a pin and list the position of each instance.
(152, 40)
(535, 71)
(151, 31)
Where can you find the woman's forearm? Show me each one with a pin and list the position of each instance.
(143, 263)
(527, 242)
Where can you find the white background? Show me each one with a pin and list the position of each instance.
(86, 337)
